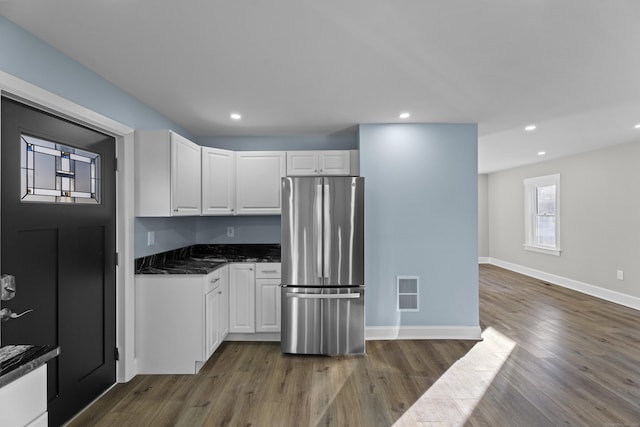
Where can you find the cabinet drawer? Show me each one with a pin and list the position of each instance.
(268, 270)
(214, 280)
(25, 399)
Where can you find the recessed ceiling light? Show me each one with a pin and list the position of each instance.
(404, 115)
(541, 153)
(530, 128)
(637, 126)
(236, 116)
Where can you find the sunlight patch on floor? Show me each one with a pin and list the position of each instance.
(452, 398)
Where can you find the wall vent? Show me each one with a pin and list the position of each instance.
(407, 289)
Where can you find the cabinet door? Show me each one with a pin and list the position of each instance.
(258, 175)
(224, 303)
(335, 162)
(185, 176)
(242, 298)
(302, 163)
(268, 305)
(212, 316)
(218, 181)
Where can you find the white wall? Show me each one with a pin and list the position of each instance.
(600, 219)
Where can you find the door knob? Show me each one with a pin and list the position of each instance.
(6, 314)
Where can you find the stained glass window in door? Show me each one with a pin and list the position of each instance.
(57, 173)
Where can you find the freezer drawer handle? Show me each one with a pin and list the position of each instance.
(353, 295)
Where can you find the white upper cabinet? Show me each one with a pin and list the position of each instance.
(167, 174)
(258, 175)
(185, 176)
(327, 162)
(218, 181)
(302, 163)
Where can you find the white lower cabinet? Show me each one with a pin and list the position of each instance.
(254, 298)
(216, 309)
(268, 297)
(24, 401)
(212, 329)
(267, 305)
(179, 320)
(242, 288)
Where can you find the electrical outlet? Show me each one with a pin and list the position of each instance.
(230, 232)
(151, 238)
(620, 274)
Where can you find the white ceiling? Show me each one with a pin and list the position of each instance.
(300, 67)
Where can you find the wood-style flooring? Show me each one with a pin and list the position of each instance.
(549, 357)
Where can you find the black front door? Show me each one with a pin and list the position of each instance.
(58, 240)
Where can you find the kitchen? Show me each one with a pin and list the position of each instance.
(449, 298)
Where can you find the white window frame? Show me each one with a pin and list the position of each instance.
(530, 213)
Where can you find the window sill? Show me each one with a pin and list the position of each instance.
(554, 252)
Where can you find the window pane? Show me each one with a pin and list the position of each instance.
(56, 173)
(546, 230)
(546, 200)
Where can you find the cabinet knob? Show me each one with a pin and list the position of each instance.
(220, 292)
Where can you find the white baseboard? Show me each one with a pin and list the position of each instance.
(484, 260)
(389, 333)
(260, 336)
(422, 333)
(585, 288)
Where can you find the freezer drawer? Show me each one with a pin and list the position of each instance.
(323, 320)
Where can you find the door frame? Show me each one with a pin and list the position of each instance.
(16, 88)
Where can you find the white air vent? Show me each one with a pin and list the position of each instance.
(407, 288)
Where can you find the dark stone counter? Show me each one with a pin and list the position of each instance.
(203, 259)
(17, 361)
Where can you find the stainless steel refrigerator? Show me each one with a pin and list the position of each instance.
(323, 265)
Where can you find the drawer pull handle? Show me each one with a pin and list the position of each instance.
(269, 271)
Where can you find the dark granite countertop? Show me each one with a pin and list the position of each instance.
(17, 361)
(203, 259)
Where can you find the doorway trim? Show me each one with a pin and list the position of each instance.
(16, 88)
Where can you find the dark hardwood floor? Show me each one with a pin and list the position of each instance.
(549, 356)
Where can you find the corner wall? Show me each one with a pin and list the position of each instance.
(483, 216)
(421, 219)
(600, 227)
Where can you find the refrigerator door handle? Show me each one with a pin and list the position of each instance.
(319, 231)
(326, 233)
(352, 295)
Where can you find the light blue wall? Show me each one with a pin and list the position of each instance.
(170, 233)
(247, 229)
(282, 143)
(421, 219)
(29, 58)
(178, 232)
